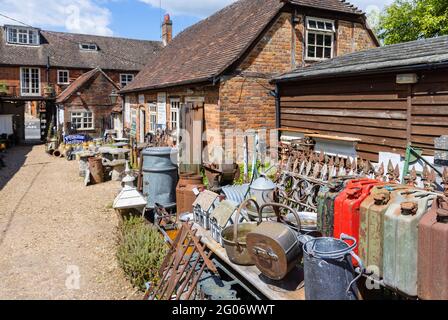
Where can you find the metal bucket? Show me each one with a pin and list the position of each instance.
(160, 176)
(328, 268)
(96, 170)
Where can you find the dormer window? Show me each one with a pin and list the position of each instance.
(88, 46)
(21, 35)
(319, 38)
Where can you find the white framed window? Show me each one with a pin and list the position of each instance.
(21, 35)
(125, 79)
(152, 117)
(174, 114)
(88, 46)
(63, 77)
(82, 120)
(30, 81)
(319, 38)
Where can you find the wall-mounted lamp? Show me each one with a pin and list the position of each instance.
(407, 78)
(113, 97)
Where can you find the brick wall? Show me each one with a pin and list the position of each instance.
(95, 98)
(11, 76)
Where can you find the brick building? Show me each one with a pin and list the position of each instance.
(37, 65)
(216, 73)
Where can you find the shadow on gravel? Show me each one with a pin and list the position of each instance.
(13, 158)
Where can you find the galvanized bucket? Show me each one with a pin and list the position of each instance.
(328, 268)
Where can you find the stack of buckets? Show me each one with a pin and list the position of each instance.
(402, 232)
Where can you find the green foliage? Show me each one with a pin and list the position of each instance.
(141, 251)
(271, 174)
(408, 20)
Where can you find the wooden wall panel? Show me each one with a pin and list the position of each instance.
(372, 108)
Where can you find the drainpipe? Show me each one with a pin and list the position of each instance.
(276, 94)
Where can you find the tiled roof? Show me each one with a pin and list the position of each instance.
(76, 85)
(332, 5)
(63, 50)
(427, 51)
(206, 49)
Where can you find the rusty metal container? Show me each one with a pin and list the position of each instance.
(371, 225)
(96, 170)
(325, 206)
(433, 253)
(185, 195)
(400, 247)
(234, 238)
(274, 246)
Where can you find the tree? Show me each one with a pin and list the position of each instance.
(408, 20)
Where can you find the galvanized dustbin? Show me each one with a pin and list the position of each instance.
(328, 268)
(160, 176)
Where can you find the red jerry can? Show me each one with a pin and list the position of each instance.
(347, 210)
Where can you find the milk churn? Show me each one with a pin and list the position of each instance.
(325, 207)
(262, 191)
(96, 170)
(328, 269)
(346, 210)
(160, 176)
(433, 252)
(371, 223)
(401, 239)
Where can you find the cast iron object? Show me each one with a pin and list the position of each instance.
(328, 268)
(274, 246)
(160, 176)
(234, 237)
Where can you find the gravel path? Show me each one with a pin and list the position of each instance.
(57, 237)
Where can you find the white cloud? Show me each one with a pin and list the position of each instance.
(79, 16)
(195, 8)
(367, 5)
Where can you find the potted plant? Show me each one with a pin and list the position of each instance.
(3, 89)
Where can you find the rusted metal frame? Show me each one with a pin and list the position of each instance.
(179, 275)
(198, 276)
(197, 243)
(167, 263)
(176, 263)
(184, 284)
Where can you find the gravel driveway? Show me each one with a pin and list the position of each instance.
(57, 237)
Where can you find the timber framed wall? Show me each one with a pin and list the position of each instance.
(384, 115)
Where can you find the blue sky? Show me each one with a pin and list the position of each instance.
(138, 19)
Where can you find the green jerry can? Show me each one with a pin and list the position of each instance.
(325, 205)
(372, 212)
(400, 253)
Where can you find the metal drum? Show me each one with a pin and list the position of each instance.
(160, 176)
(328, 269)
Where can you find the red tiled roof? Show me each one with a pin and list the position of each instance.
(205, 50)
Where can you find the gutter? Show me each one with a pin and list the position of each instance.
(418, 67)
(169, 85)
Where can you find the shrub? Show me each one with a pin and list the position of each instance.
(141, 251)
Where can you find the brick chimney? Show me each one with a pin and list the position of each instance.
(167, 30)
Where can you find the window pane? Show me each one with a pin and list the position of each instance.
(311, 38)
(329, 26)
(312, 24)
(328, 41)
(311, 51)
(320, 25)
(320, 40)
(328, 53)
(319, 52)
